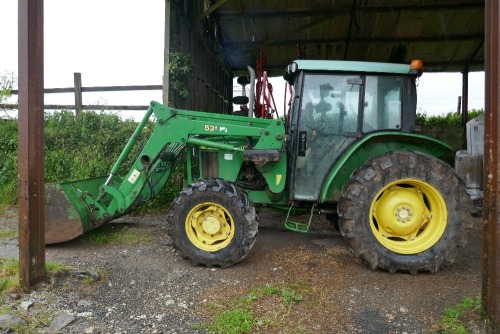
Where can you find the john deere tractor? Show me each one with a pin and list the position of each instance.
(347, 149)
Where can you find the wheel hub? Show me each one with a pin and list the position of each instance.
(211, 225)
(402, 216)
(405, 204)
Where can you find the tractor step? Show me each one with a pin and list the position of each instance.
(298, 226)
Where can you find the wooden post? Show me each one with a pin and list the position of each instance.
(491, 219)
(31, 144)
(78, 92)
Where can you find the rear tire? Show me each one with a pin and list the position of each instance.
(404, 211)
(213, 223)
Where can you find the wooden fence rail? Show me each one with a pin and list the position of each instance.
(78, 90)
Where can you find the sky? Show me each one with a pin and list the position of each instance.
(120, 42)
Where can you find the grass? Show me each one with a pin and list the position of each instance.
(9, 273)
(8, 233)
(458, 319)
(9, 282)
(38, 317)
(117, 234)
(261, 309)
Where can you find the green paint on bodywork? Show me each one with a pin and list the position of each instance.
(275, 174)
(373, 145)
(95, 201)
(264, 197)
(229, 164)
(78, 192)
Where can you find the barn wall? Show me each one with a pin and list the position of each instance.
(210, 83)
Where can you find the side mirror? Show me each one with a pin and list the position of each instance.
(240, 100)
(243, 80)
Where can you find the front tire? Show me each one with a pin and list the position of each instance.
(404, 211)
(213, 223)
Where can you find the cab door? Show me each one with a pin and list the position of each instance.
(326, 124)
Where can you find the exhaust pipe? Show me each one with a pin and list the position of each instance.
(252, 92)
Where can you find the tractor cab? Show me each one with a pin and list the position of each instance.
(336, 104)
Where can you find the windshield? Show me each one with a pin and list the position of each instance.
(329, 121)
(331, 101)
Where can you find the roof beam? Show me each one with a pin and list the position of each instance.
(211, 9)
(241, 46)
(302, 12)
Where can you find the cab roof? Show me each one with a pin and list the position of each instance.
(352, 66)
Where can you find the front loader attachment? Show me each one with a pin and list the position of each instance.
(74, 208)
(67, 216)
(77, 207)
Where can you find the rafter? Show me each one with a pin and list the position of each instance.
(211, 9)
(241, 46)
(302, 12)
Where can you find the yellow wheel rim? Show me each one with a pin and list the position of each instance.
(408, 216)
(209, 226)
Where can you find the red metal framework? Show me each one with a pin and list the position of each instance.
(263, 92)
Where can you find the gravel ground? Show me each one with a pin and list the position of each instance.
(149, 288)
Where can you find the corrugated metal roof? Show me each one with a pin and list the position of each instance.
(448, 35)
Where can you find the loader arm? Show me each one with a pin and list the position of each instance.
(76, 207)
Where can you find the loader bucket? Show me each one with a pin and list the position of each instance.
(67, 216)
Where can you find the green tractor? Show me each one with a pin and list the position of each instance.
(347, 148)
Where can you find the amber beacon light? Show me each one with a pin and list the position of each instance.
(416, 66)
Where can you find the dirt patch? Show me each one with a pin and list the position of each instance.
(150, 288)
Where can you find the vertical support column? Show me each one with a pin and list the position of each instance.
(465, 103)
(78, 92)
(491, 220)
(31, 144)
(166, 53)
(465, 94)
